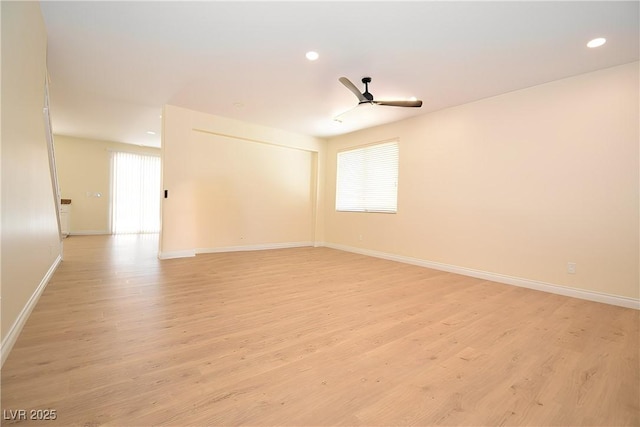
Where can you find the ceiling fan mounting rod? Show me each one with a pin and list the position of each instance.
(366, 81)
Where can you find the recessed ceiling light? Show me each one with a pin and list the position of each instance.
(150, 132)
(597, 42)
(312, 56)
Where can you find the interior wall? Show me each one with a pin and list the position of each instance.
(235, 185)
(518, 185)
(84, 171)
(30, 236)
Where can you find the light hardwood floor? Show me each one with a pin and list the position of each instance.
(311, 336)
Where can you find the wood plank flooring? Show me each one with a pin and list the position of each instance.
(311, 337)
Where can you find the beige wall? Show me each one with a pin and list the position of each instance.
(30, 236)
(518, 184)
(84, 169)
(233, 184)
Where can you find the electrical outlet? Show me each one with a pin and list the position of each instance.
(571, 267)
(360, 237)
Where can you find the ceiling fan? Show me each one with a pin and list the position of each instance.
(367, 98)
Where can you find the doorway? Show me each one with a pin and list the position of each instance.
(135, 193)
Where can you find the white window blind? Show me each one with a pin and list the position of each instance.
(367, 179)
(135, 193)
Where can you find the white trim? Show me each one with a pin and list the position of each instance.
(261, 247)
(13, 334)
(277, 142)
(500, 278)
(177, 254)
(89, 233)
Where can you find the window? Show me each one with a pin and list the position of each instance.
(135, 192)
(367, 179)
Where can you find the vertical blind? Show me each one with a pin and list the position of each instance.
(135, 193)
(367, 179)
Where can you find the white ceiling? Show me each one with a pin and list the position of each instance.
(113, 65)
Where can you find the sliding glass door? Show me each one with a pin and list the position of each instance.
(135, 193)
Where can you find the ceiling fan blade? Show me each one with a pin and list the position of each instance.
(345, 81)
(399, 103)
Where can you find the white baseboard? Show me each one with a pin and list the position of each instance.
(89, 233)
(16, 328)
(177, 254)
(496, 277)
(261, 247)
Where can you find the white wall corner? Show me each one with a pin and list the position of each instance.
(13, 334)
